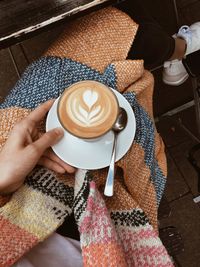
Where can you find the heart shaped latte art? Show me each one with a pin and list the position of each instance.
(94, 112)
(90, 98)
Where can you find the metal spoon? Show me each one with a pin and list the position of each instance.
(119, 125)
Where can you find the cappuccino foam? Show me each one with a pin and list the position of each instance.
(88, 109)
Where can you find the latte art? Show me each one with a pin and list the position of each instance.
(90, 114)
(88, 109)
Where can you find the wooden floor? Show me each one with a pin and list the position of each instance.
(178, 131)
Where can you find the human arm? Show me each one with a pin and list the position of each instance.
(24, 149)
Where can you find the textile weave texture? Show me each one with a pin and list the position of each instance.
(118, 231)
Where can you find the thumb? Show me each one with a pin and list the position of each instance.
(48, 139)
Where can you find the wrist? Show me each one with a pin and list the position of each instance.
(9, 189)
(8, 183)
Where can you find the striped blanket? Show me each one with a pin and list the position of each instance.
(118, 231)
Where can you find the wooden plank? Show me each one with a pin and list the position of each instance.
(22, 17)
(185, 216)
(8, 74)
(179, 155)
(178, 128)
(19, 58)
(171, 132)
(35, 46)
(167, 97)
(176, 186)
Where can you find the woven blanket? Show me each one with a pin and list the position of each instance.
(117, 231)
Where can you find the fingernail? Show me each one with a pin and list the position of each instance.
(71, 170)
(59, 131)
(61, 170)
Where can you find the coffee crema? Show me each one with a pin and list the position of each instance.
(88, 109)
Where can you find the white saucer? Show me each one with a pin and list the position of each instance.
(92, 154)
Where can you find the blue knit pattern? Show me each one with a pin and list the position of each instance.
(145, 137)
(48, 77)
